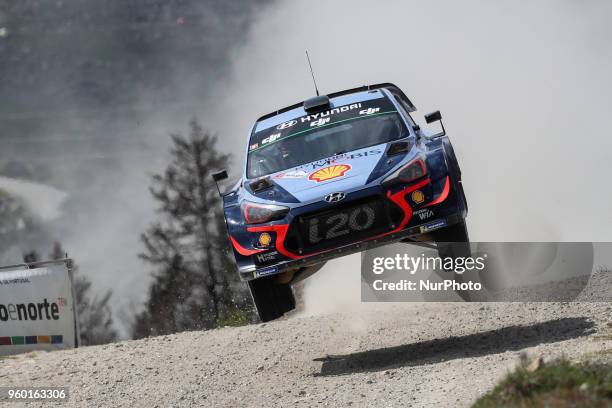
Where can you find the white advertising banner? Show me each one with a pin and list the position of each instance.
(37, 309)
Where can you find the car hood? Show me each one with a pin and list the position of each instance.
(342, 172)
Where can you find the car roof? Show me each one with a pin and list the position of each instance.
(362, 93)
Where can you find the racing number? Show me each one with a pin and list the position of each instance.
(358, 219)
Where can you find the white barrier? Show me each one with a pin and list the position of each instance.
(37, 308)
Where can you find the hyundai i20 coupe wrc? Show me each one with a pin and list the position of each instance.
(334, 175)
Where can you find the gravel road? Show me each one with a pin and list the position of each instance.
(417, 354)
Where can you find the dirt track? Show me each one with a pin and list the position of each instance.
(430, 354)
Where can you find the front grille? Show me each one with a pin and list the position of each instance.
(343, 224)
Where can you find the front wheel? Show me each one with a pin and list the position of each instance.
(454, 242)
(271, 299)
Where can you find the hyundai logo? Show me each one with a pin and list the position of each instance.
(334, 197)
(286, 125)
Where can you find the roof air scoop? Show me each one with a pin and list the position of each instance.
(261, 184)
(316, 104)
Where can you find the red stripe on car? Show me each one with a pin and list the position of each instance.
(443, 195)
(242, 250)
(398, 198)
(281, 233)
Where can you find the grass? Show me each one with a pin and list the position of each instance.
(559, 383)
(601, 355)
(236, 317)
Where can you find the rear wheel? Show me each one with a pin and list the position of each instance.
(454, 242)
(271, 299)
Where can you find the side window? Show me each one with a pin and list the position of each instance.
(404, 111)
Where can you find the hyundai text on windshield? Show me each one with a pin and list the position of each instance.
(320, 135)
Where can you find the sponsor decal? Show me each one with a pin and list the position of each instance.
(254, 146)
(343, 156)
(294, 174)
(42, 310)
(319, 122)
(298, 172)
(266, 271)
(36, 308)
(417, 196)
(266, 256)
(424, 214)
(434, 225)
(286, 125)
(369, 111)
(265, 239)
(329, 173)
(334, 159)
(271, 138)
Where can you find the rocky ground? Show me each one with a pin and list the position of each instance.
(413, 354)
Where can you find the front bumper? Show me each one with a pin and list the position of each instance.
(439, 207)
(252, 272)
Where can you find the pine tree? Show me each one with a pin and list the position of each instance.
(195, 284)
(31, 257)
(94, 314)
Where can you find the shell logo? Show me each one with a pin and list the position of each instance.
(418, 197)
(328, 173)
(265, 239)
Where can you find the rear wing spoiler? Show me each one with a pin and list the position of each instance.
(395, 91)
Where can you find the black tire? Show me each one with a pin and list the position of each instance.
(452, 161)
(454, 242)
(455, 173)
(271, 299)
(462, 193)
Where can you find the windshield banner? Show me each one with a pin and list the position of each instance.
(306, 123)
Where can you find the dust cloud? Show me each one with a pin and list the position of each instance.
(523, 87)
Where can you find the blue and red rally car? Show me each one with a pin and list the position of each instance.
(334, 175)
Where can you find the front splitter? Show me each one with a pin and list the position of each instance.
(252, 272)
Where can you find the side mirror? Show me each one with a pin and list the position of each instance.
(222, 175)
(435, 117)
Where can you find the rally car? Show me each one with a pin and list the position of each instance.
(334, 175)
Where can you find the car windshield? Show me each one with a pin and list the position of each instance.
(280, 150)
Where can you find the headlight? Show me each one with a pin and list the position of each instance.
(414, 170)
(255, 213)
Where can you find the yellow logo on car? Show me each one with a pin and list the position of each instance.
(331, 172)
(265, 239)
(417, 196)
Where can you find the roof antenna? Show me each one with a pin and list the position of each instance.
(312, 73)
